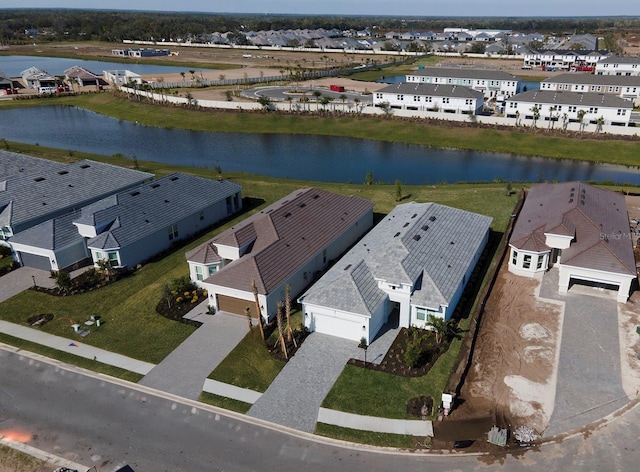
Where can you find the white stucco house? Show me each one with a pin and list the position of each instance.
(619, 65)
(416, 261)
(582, 230)
(494, 84)
(623, 86)
(568, 106)
(434, 97)
(291, 242)
(563, 59)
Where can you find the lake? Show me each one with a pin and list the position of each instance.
(12, 66)
(307, 157)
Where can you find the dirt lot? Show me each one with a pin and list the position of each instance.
(513, 379)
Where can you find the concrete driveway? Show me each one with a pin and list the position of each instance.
(294, 397)
(184, 371)
(21, 279)
(589, 385)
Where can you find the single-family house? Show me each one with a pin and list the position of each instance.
(416, 261)
(288, 243)
(31, 198)
(5, 82)
(493, 84)
(122, 77)
(129, 227)
(623, 86)
(133, 226)
(619, 65)
(432, 97)
(37, 79)
(580, 229)
(83, 77)
(570, 107)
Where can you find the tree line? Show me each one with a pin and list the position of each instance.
(24, 25)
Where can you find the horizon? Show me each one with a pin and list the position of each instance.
(356, 8)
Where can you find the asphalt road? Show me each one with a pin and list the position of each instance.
(94, 421)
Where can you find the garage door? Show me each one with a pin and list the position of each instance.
(237, 306)
(35, 261)
(338, 327)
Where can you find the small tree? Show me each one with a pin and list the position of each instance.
(599, 124)
(343, 97)
(281, 330)
(581, 114)
(63, 281)
(413, 351)
(247, 312)
(536, 115)
(508, 189)
(287, 313)
(398, 191)
(438, 326)
(265, 102)
(317, 94)
(368, 179)
(356, 102)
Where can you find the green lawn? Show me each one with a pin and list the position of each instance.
(401, 441)
(224, 402)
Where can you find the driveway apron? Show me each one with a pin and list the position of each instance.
(589, 385)
(294, 397)
(184, 371)
(21, 279)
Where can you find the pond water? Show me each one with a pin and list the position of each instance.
(12, 66)
(308, 157)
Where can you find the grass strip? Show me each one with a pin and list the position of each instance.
(224, 402)
(401, 441)
(71, 359)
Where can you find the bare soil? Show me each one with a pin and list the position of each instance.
(512, 382)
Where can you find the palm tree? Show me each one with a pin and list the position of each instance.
(536, 115)
(182, 74)
(343, 97)
(581, 114)
(551, 116)
(356, 102)
(289, 99)
(304, 100)
(317, 94)
(193, 74)
(599, 123)
(280, 330)
(254, 289)
(565, 120)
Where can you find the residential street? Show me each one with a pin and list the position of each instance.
(97, 422)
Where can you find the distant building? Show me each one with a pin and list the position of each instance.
(622, 86)
(619, 65)
(431, 97)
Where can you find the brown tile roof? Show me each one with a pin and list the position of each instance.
(286, 235)
(598, 218)
(206, 253)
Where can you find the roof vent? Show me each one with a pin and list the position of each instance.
(348, 267)
(85, 166)
(133, 194)
(166, 201)
(316, 196)
(451, 242)
(425, 227)
(405, 225)
(302, 205)
(397, 234)
(38, 179)
(287, 214)
(155, 185)
(432, 218)
(416, 237)
(414, 215)
(173, 179)
(63, 172)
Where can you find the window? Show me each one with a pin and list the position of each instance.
(213, 270)
(379, 96)
(400, 97)
(199, 274)
(172, 231)
(540, 261)
(113, 259)
(99, 256)
(445, 100)
(621, 112)
(416, 98)
(527, 261)
(514, 257)
(421, 314)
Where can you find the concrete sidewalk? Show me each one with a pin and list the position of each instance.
(76, 348)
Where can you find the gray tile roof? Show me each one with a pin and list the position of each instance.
(146, 209)
(53, 234)
(51, 192)
(424, 244)
(575, 208)
(591, 79)
(572, 98)
(460, 73)
(286, 235)
(433, 90)
(12, 164)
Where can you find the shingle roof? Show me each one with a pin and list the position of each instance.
(450, 72)
(424, 244)
(592, 79)
(12, 164)
(572, 98)
(80, 72)
(598, 218)
(434, 90)
(51, 192)
(143, 210)
(620, 60)
(286, 235)
(204, 254)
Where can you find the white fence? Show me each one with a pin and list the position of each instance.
(371, 110)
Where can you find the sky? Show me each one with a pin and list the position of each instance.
(569, 8)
